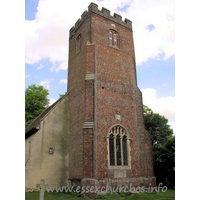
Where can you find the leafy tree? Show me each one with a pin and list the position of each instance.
(163, 146)
(146, 110)
(164, 162)
(157, 126)
(35, 102)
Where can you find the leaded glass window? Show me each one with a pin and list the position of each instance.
(111, 148)
(124, 142)
(118, 150)
(118, 146)
(110, 37)
(113, 38)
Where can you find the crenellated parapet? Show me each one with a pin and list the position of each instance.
(93, 8)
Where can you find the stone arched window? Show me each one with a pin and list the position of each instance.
(118, 146)
(113, 38)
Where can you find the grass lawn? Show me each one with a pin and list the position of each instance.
(168, 195)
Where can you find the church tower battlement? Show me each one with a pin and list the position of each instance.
(104, 13)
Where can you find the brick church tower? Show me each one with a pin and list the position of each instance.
(108, 140)
(94, 135)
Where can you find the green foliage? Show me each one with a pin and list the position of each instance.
(163, 146)
(35, 102)
(146, 110)
(157, 126)
(164, 162)
(61, 95)
(100, 196)
(75, 194)
(123, 194)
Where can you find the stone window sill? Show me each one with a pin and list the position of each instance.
(119, 167)
(114, 47)
(77, 53)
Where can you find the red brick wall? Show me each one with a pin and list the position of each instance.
(88, 153)
(76, 90)
(88, 138)
(115, 90)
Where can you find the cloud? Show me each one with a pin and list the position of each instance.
(27, 75)
(164, 106)
(63, 81)
(45, 84)
(144, 13)
(161, 39)
(40, 66)
(47, 36)
(51, 101)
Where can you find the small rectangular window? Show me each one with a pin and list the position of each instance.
(113, 38)
(110, 38)
(78, 43)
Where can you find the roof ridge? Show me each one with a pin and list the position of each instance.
(54, 105)
(47, 110)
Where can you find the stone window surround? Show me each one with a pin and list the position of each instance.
(117, 39)
(128, 149)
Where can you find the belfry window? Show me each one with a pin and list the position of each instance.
(78, 43)
(113, 38)
(118, 148)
